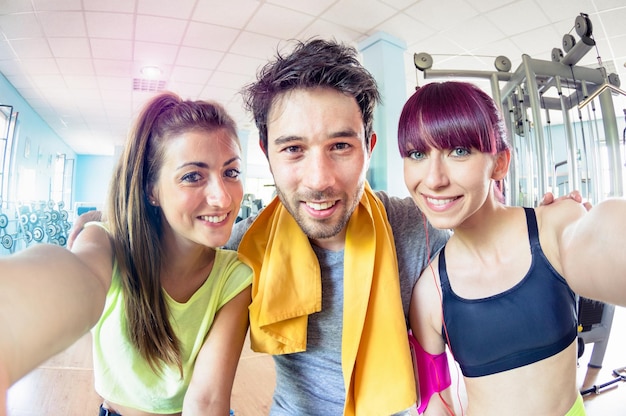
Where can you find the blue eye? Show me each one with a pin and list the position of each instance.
(414, 154)
(232, 173)
(191, 177)
(342, 146)
(292, 149)
(460, 151)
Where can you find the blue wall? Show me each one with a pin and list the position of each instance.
(91, 178)
(35, 145)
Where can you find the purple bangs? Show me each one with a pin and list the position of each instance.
(446, 115)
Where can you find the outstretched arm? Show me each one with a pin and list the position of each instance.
(49, 297)
(592, 252)
(79, 223)
(214, 371)
(4, 387)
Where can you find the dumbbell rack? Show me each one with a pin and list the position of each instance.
(37, 222)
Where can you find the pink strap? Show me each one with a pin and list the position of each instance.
(432, 374)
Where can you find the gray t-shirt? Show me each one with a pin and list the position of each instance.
(311, 382)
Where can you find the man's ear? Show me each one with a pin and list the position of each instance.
(501, 168)
(373, 139)
(262, 147)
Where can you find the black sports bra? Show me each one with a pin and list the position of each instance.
(529, 322)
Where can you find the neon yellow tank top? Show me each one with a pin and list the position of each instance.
(123, 377)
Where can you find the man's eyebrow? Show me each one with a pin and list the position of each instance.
(344, 133)
(287, 139)
(336, 134)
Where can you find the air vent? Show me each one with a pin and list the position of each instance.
(150, 85)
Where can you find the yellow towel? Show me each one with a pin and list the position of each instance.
(286, 288)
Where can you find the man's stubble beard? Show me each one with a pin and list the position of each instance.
(318, 229)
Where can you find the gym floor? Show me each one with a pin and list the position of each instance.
(64, 384)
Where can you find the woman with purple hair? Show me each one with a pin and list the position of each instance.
(501, 294)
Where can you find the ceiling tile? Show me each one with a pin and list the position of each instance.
(325, 29)
(517, 18)
(364, 14)
(186, 90)
(198, 58)
(30, 94)
(402, 26)
(38, 66)
(70, 66)
(23, 83)
(232, 13)
(219, 79)
(179, 9)
(240, 64)
(110, 25)
(474, 33)
(80, 82)
(610, 24)
(113, 68)
(314, 8)
(16, 6)
(120, 6)
(31, 48)
(486, 54)
(6, 51)
(159, 29)
(18, 26)
(398, 4)
(57, 4)
(116, 94)
(535, 42)
(49, 82)
(63, 24)
(70, 47)
(436, 45)
(204, 35)
(618, 46)
(182, 73)
(111, 49)
(148, 53)
(278, 21)
(484, 6)
(255, 45)
(221, 94)
(564, 9)
(441, 14)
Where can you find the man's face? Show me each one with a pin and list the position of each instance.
(318, 157)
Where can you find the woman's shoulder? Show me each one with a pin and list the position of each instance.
(228, 258)
(559, 214)
(94, 234)
(99, 224)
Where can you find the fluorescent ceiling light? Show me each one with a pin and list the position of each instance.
(151, 72)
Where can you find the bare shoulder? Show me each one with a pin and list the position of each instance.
(425, 315)
(559, 214)
(426, 292)
(94, 235)
(93, 247)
